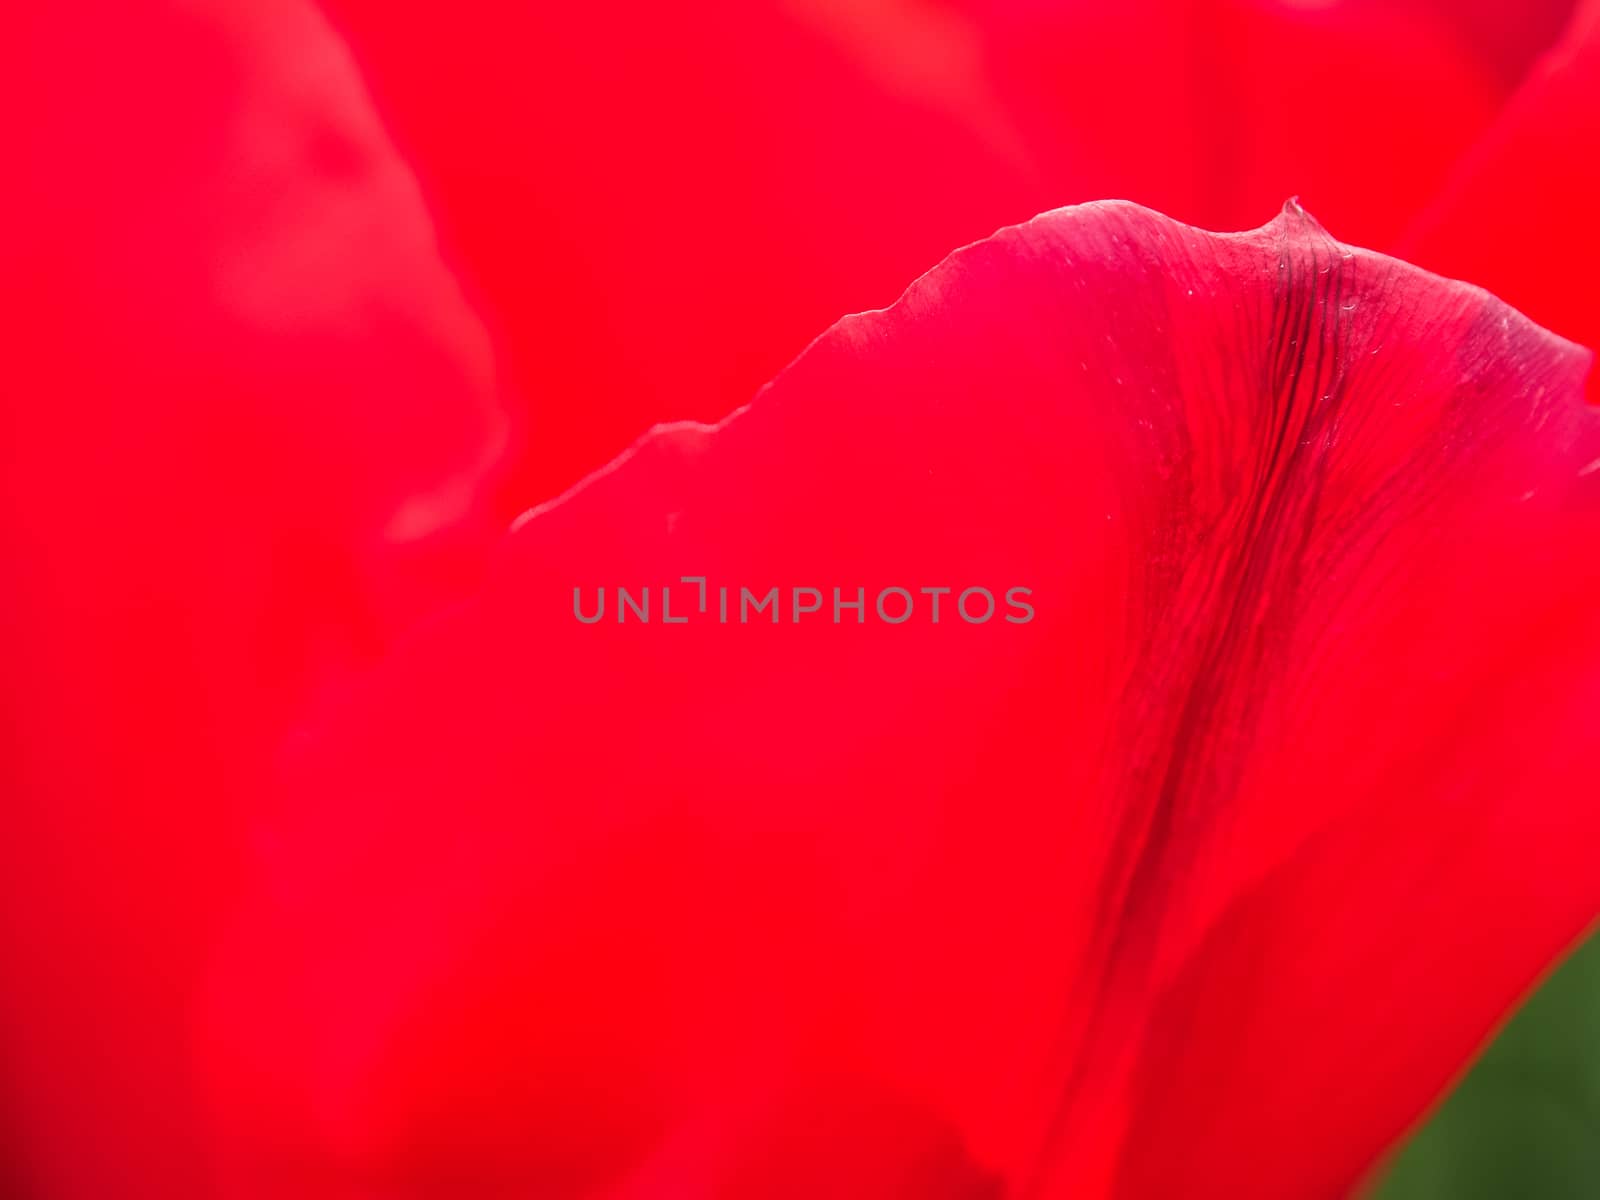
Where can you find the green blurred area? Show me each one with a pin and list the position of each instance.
(1525, 1122)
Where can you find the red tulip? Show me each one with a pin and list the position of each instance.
(568, 908)
(1197, 866)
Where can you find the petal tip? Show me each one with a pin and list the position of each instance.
(1294, 214)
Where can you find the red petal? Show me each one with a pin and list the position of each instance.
(664, 203)
(805, 159)
(247, 417)
(1517, 217)
(1203, 881)
(1216, 111)
(1508, 37)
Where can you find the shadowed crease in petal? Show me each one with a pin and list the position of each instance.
(1203, 879)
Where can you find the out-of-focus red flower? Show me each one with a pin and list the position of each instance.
(248, 421)
(1201, 881)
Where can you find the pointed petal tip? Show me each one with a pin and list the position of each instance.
(1295, 216)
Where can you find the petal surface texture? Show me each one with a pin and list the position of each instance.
(248, 423)
(1203, 881)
